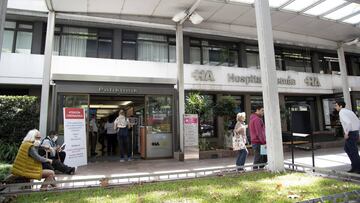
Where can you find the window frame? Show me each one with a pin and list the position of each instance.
(18, 29)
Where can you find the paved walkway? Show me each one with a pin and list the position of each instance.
(332, 158)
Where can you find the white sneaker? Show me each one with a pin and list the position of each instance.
(122, 160)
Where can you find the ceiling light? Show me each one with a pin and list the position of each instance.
(196, 18)
(102, 106)
(179, 16)
(324, 7)
(125, 103)
(343, 12)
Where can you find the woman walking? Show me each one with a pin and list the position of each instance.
(239, 141)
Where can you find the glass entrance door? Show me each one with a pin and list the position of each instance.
(159, 122)
(70, 100)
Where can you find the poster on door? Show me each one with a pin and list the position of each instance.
(75, 137)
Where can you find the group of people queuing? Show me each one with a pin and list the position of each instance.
(115, 131)
(348, 119)
(39, 158)
(257, 136)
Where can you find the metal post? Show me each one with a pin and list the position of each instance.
(269, 86)
(344, 80)
(3, 6)
(44, 107)
(180, 81)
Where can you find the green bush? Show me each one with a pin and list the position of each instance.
(4, 171)
(18, 115)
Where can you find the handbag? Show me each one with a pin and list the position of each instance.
(238, 143)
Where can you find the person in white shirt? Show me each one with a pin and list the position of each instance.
(110, 135)
(351, 126)
(93, 135)
(121, 126)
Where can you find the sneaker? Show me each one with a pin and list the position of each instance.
(122, 160)
(129, 159)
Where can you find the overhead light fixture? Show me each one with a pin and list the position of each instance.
(179, 16)
(125, 103)
(195, 18)
(103, 106)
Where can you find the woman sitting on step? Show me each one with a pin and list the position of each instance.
(28, 162)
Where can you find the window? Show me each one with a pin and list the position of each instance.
(148, 47)
(83, 42)
(213, 53)
(329, 63)
(17, 37)
(297, 60)
(255, 101)
(354, 65)
(252, 57)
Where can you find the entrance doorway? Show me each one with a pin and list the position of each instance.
(104, 109)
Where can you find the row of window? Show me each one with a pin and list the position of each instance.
(92, 42)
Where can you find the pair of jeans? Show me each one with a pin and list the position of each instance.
(351, 150)
(258, 158)
(123, 137)
(240, 161)
(111, 144)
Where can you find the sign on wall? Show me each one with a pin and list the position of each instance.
(75, 136)
(191, 136)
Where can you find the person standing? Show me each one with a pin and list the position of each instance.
(121, 126)
(93, 135)
(239, 141)
(110, 135)
(257, 135)
(351, 126)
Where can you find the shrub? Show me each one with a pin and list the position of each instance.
(18, 115)
(4, 171)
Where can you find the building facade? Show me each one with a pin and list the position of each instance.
(104, 67)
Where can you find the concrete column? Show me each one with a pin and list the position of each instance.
(269, 86)
(44, 105)
(320, 113)
(283, 105)
(3, 6)
(344, 82)
(180, 81)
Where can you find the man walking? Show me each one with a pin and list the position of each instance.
(351, 126)
(257, 135)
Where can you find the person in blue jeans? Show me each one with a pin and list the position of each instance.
(239, 140)
(121, 126)
(351, 125)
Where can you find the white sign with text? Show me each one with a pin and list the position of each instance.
(75, 137)
(191, 136)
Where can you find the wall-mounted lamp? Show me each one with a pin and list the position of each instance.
(195, 18)
(355, 41)
(179, 16)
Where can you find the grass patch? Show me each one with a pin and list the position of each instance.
(246, 187)
(4, 170)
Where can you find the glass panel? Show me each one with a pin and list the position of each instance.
(353, 20)
(8, 41)
(77, 31)
(243, 1)
(152, 51)
(105, 48)
(10, 24)
(76, 101)
(159, 113)
(255, 101)
(278, 62)
(324, 7)
(207, 120)
(72, 45)
(151, 37)
(56, 48)
(91, 47)
(233, 58)
(252, 60)
(195, 55)
(357, 107)
(345, 11)
(23, 42)
(172, 53)
(277, 3)
(299, 5)
(331, 116)
(25, 26)
(129, 50)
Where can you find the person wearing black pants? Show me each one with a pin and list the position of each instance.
(351, 125)
(121, 125)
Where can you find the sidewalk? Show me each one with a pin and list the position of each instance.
(331, 158)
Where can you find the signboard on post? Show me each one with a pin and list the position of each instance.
(75, 137)
(191, 136)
